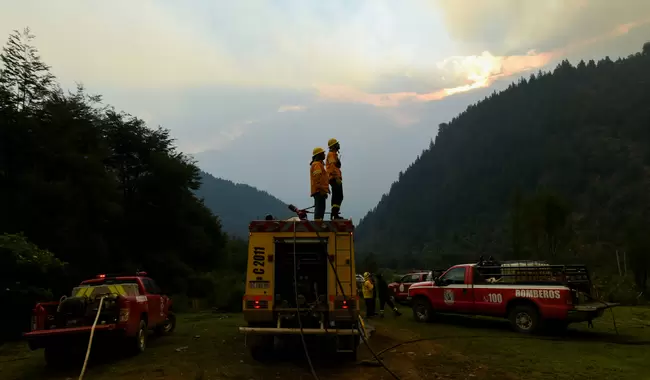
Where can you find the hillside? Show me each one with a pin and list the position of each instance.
(556, 166)
(237, 204)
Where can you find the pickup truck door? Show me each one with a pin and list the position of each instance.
(453, 293)
(402, 290)
(156, 314)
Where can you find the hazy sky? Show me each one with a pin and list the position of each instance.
(251, 87)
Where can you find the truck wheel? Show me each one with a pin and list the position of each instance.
(168, 326)
(524, 319)
(422, 310)
(140, 339)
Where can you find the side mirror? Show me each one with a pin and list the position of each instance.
(442, 282)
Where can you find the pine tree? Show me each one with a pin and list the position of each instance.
(24, 75)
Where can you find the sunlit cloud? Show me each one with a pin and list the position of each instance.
(289, 108)
(479, 71)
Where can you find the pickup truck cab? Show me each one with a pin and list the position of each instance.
(528, 294)
(398, 290)
(130, 306)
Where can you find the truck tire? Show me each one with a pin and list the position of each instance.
(422, 310)
(139, 342)
(168, 326)
(524, 319)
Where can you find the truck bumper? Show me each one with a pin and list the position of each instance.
(588, 312)
(66, 336)
(292, 331)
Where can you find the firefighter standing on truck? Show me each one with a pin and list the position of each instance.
(368, 289)
(334, 175)
(319, 187)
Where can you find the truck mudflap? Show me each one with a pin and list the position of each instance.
(589, 311)
(293, 330)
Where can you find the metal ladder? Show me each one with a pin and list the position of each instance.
(343, 243)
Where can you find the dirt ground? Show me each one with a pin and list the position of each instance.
(209, 346)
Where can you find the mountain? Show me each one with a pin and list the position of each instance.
(556, 166)
(237, 204)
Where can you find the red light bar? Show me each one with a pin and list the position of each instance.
(141, 273)
(101, 276)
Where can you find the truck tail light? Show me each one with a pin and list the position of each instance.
(344, 304)
(257, 304)
(124, 315)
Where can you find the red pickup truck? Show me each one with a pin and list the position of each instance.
(399, 289)
(131, 306)
(529, 294)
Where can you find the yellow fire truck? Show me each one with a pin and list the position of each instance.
(301, 281)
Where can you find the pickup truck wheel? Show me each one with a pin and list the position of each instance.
(422, 310)
(524, 319)
(140, 340)
(168, 326)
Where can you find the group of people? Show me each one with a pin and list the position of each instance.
(323, 175)
(374, 286)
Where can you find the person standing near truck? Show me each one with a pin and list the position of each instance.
(319, 186)
(368, 295)
(384, 298)
(333, 165)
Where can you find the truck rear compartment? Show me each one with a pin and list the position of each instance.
(309, 256)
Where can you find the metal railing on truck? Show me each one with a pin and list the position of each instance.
(535, 273)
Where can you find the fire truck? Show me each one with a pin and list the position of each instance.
(130, 306)
(530, 294)
(301, 281)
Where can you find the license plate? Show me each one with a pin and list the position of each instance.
(258, 284)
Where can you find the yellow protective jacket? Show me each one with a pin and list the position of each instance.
(367, 288)
(318, 177)
(333, 166)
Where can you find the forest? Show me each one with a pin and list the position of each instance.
(555, 167)
(87, 189)
(237, 204)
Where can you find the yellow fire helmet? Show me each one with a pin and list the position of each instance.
(331, 142)
(318, 150)
(366, 275)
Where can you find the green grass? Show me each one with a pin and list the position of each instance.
(473, 348)
(486, 348)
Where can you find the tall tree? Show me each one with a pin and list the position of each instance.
(24, 74)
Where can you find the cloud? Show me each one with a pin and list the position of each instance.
(221, 139)
(169, 44)
(515, 25)
(478, 71)
(291, 108)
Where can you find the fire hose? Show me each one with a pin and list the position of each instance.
(90, 341)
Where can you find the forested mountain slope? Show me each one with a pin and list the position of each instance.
(556, 166)
(237, 204)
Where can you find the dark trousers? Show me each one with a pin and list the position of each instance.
(319, 205)
(337, 196)
(385, 300)
(370, 306)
